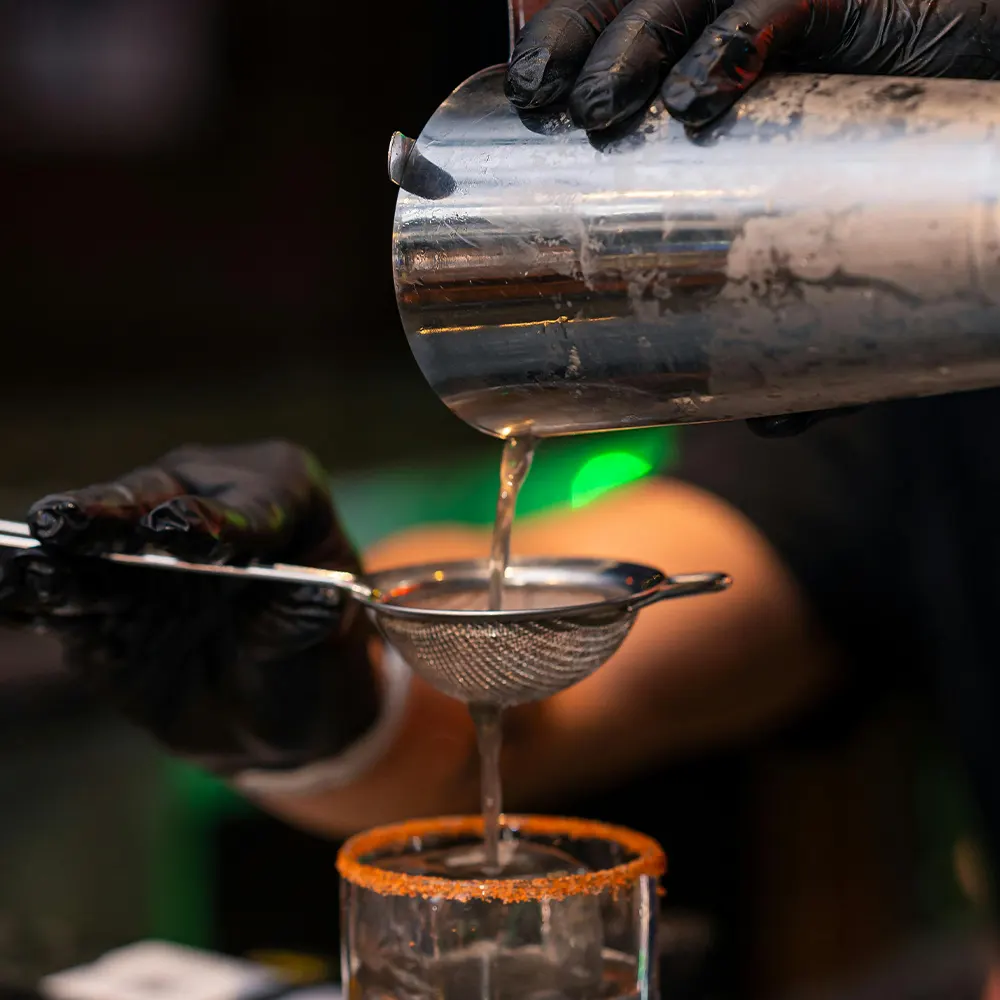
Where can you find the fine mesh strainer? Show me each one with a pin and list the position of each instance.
(561, 620)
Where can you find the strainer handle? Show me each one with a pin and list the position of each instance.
(682, 585)
(15, 535)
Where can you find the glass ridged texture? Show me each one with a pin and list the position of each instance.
(572, 916)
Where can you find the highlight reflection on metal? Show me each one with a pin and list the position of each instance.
(833, 241)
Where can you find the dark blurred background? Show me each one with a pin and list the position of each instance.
(196, 223)
(194, 245)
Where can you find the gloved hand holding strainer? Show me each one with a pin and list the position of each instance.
(268, 667)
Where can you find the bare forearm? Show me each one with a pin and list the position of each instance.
(693, 673)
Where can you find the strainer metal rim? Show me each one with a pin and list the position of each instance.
(643, 585)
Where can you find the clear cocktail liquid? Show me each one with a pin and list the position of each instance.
(515, 464)
(483, 972)
(503, 959)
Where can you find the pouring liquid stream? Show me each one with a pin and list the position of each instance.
(515, 464)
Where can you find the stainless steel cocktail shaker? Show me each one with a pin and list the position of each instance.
(832, 241)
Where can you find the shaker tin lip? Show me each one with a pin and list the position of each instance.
(648, 860)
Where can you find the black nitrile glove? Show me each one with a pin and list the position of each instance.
(608, 58)
(234, 675)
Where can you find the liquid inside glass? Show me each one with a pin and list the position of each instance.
(482, 972)
(542, 950)
(461, 596)
(518, 859)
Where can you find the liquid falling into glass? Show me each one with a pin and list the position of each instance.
(488, 720)
(515, 464)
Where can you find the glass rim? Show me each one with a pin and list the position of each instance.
(649, 860)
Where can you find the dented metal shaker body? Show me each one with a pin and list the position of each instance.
(833, 241)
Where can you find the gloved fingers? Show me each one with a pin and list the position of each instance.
(730, 54)
(294, 619)
(631, 57)
(47, 589)
(257, 500)
(552, 49)
(162, 661)
(202, 528)
(318, 701)
(265, 501)
(104, 517)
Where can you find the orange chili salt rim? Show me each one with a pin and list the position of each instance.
(648, 861)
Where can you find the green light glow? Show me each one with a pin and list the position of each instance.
(606, 472)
